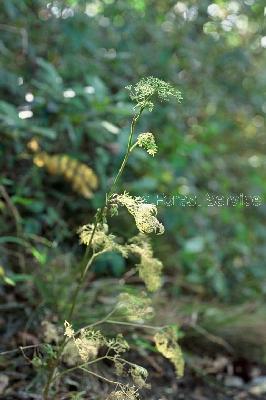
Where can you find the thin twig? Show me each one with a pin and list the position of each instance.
(101, 377)
(109, 321)
(21, 348)
(78, 366)
(102, 321)
(109, 381)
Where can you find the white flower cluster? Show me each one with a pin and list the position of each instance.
(126, 392)
(135, 308)
(166, 344)
(88, 342)
(148, 87)
(102, 241)
(150, 268)
(147, 141)
(144, 213)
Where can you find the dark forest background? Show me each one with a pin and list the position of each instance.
(63, 69)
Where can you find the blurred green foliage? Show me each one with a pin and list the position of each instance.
(64, 65)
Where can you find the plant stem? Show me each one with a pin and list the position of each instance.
(109, 321)
(100, 376)
(129, 144)
(62, 346)
(86, 266)
(102, 321)
(79, 366)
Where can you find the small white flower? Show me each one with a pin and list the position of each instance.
(102, 241)
(148, 87)
(69, 331)
(150, 268)
(146, 140)
(144, 213)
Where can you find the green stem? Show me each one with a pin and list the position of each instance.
(79, 366)
(109, 321)
(133, 146)
(121, 169)
(102, 321)
(83, 274)
(129, 149)
(100, 376)
(62, 346)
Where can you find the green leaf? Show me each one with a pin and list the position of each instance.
(45, 132)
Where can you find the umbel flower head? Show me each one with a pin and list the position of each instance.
(102, 241)
(144, 213)
(139, 376)
(88, 342)
(150, 268)
(125, 393)
(147, 141)
(135, 308)
(146, 88)
(117, 345)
